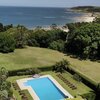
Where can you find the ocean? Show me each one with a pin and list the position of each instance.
(37, 16)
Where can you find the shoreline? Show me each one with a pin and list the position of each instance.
(87, 17)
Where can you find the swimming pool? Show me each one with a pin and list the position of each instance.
(45, 88)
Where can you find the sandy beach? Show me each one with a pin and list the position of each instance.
(85, 18)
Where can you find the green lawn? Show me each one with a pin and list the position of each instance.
(39, 57)
(90, 69)
(15, 92)
(81, 88)
(30, 57)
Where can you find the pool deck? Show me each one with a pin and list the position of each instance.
(32, 92)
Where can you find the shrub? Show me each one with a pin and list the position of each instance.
(19, 33)
(7, 42)
(89, 96)
(5, 86)
(57, 45)
(10, 93)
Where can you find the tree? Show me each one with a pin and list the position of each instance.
(84, 41)
(61, 66)
(38, 37)
(97, 20)
(57, 45)
(43, 38)
(19, 35)
(6, 27)
(1, 27)
(7, 42)
(3, 77)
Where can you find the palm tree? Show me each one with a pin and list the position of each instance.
(61, 66)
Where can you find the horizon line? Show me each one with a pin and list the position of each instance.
(33, 6)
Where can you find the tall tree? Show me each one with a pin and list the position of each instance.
(7, 42)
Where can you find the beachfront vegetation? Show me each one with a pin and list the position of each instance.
(82, 40)
(87, 8)
(97, 20)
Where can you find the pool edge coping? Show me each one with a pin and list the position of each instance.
(32, 92)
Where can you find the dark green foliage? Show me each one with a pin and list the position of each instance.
(10, 93)
(5, 86)
(26, 71)
(34, 71)
(87, 8)
(7, 42)
(56, 34)
(20, 36)
(85, 41)
(38, 37)
(89, 96)
(61, 66)
(73, 26)
(32, 42)
(1, 27)
(77, 77)
(98, 87)
(57, 45)
(6, 27)
(97, 20)
(29, 71)
(42, 38)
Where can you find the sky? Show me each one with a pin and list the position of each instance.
(49, 3)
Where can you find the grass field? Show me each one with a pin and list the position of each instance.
(29, 57)
(89, 68)
(39, 57)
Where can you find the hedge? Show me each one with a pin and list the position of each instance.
(89, 96)
(85, 79)
(28, 71)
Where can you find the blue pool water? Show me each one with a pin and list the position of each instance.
(45, 89)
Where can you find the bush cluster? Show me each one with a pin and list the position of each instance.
(82, 40)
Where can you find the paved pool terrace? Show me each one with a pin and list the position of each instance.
(21, 83)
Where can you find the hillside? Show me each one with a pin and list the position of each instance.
(87, 8)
